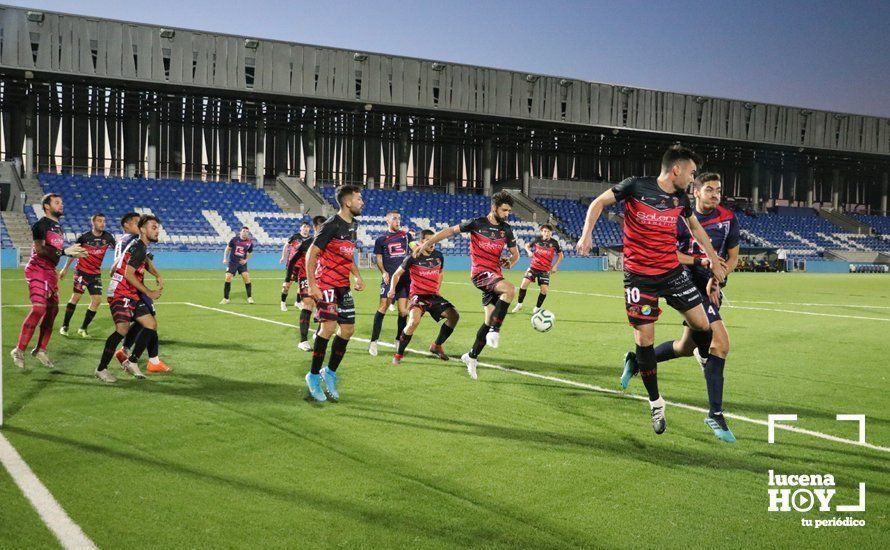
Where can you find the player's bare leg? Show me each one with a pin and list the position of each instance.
(451, 319)
(227, 288)
(413, 322)
(305, 319)
(248, 287)
(523, 288)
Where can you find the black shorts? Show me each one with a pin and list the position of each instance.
(641, 294)
(290, 274)
(401, 288)
(303, 283)
(533, 275)
(711, 309)
(125, 310)
(236, 268)
(433, 304)
(486, 281)
(336, 305)
(91, 282)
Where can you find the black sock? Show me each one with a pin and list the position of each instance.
(702, 339)
(714, 380)
(665, 351)
(249, 288)
(132, 334)
(378, 324)
(145, 336)
(338, 350)
(479, 343)
(87, 319)
(318, 351)
(284, 297)
(522, 292)
(400, 325)
(305, 315)
(226, 289)
(404, 340)
(541, 298)
(648, 370)
(444, 332)
(110, 347)
(69, 313)
(497, 316)
(153, 345)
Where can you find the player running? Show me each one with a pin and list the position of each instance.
(237, 252)
(87, 273)
(329, 263)
(723, 231)
(298, 268)
(652, 207)
(126, 304)
(287, 253)
(542, 250)
(43, 283)
(489, 236)
(391, 249)
(425, 272)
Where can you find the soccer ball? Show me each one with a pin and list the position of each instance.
(542, 321)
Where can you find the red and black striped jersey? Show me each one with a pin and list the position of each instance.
(425, 272)
(96, 246)
(543, 253)
(293, 243)
(487, 242)
(650, 225)
(135, 255)
(298, 260)
(336, 239)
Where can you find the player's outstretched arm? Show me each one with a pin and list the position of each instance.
(283, 253)
(594, 211)
(440, 236)
(226, 255)
(701, 237)
(130, 276)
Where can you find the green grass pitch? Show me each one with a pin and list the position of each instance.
(226, 452)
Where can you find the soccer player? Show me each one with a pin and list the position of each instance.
(391, 249)
(542, 250)
(489, 235)
(237, 252)
(307, 302)
(290, 248)
(87, 273)
(425, 272)
(723, 232)
(329, 263)
(652, 206)
(43, 283)
(127, 305)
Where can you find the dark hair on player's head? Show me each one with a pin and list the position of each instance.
(676, 153)
(346, 190)
(96, 215)
(128, 217)
(393, 212)
(501, 197)
(318, 220)
(547, 226)
(705, 178)
(48, 198)
(243, 227)
(427, 233)
(145, 218)
(306, 223)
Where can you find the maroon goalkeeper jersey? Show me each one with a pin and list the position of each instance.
(337, 243)
(487, 242)
(650, 225)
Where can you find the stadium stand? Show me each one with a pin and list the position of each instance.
(804, 234)
(571, 215)
(5, 239)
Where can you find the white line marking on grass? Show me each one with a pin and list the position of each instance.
(591, 387)
(62, 526)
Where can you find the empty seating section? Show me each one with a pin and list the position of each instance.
(5, 240)
(200, 216)
(425, 210)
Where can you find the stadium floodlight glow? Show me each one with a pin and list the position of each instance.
(167, 33)
(439, 66)
(251, 43)
(36, 16)
(360, 57)
(565, 83)
(532, 78)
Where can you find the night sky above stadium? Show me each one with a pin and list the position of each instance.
(823, 55)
